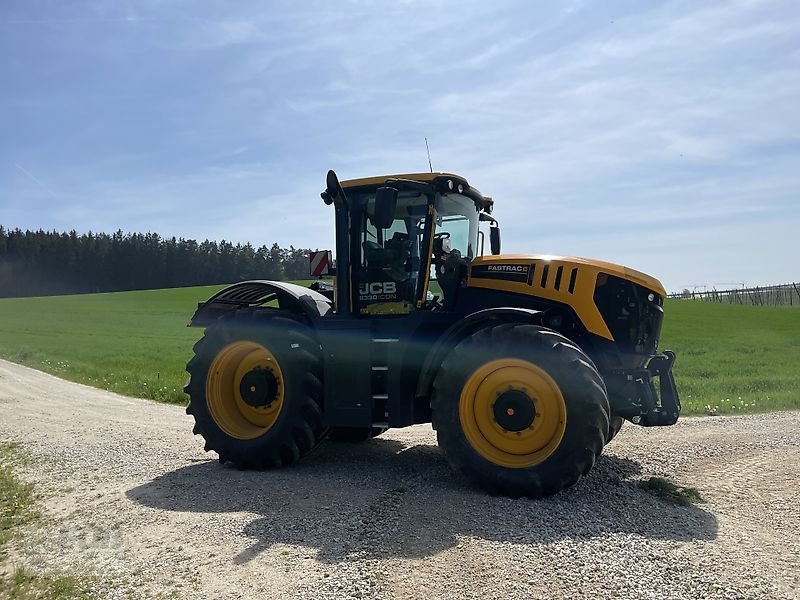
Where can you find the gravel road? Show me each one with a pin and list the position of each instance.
(131, 496)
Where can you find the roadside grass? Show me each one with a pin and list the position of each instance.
(25, 584)
(731, 359)
(17, 502)
(734, 359)
(668, 491)
(15, 497)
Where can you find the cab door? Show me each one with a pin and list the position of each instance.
(391, 255)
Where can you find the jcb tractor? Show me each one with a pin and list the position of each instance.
(526, 365)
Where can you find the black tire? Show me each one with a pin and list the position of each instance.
(298, 427)
(614, 425)
(354, 435)
(585, 401)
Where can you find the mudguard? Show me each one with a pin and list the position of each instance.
(245, 294)
(463, 328)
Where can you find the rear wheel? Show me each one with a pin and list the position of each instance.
(354, 434)
(254, 390)
(520, 409)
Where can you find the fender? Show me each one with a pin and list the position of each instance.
(245, 294)
(464, 328)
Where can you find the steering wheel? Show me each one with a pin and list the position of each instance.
(438, 244)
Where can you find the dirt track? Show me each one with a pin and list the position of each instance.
(131, 495)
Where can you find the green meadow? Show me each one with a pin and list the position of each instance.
(731, 359)
(134, 343)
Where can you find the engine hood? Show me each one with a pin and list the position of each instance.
(568, 280)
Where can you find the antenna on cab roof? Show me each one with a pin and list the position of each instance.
(430, 166)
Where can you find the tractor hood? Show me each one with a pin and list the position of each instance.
(565, 279)
(600, 266)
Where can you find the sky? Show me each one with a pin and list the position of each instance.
(661, 135)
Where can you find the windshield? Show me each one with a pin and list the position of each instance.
(456, 215)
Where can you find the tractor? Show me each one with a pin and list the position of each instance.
(525, 365)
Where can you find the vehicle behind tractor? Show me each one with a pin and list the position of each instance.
(526, 365)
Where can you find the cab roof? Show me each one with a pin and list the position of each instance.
(423, 177)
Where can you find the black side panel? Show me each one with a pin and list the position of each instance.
(418, 334)
(372, 366)
(346, 348)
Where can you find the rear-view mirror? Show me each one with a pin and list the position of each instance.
(385, 206)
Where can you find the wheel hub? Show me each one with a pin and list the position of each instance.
(259, 387)
(514, 410)
(512, 413)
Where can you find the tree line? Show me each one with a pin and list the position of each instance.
(37, 263)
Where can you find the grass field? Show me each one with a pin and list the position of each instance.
(731, 359)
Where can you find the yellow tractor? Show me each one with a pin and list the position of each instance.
(526, 365)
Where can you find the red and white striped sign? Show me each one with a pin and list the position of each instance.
(320, 262)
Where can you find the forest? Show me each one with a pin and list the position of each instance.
(41, 263)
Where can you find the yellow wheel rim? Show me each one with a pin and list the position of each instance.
(512, 413)
(245, 365)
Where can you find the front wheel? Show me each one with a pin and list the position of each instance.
(520, 409)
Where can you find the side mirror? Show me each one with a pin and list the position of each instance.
(494, 240)
(385, 206)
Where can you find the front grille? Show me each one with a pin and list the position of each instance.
(633, 319)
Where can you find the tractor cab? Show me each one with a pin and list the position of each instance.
(409, 238)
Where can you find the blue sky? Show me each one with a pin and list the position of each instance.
(661, 135)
